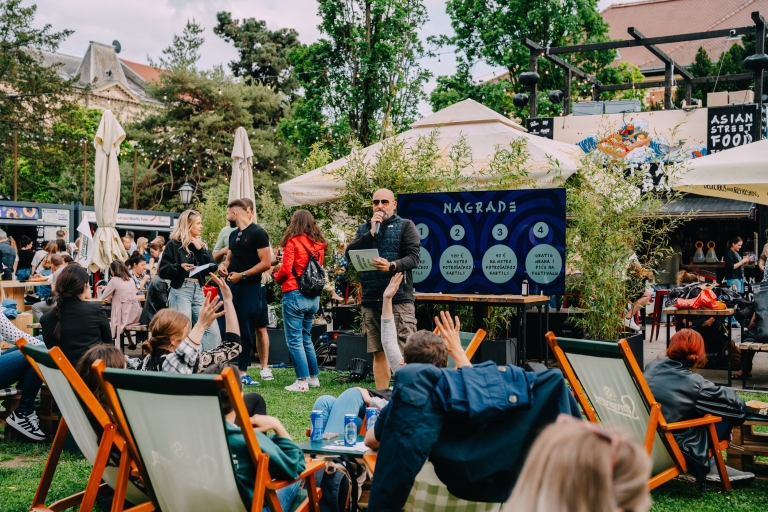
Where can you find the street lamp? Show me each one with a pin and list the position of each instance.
(185, 193)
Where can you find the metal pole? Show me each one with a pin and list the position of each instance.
(135, 159)
(687, 93)
(16, 164)
(668, 86)
(85, 171)
(534, 67)
(759, 73)
(567, 93)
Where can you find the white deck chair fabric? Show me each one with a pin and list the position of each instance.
(183, 446)
(429, 494)
(82, 431)
(618, 403)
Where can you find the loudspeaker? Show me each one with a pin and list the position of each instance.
(349, 347)
(278, 348)
(344, 317)
(501, 351)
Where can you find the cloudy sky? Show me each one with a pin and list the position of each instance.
(144, 27)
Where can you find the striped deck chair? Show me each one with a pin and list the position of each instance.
(610, 387)
(90, 426)
(176, 435)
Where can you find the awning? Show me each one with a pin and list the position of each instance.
(30, 222)
(709, 207)
(145, 228)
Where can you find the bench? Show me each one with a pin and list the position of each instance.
(9, 400)
(47, 411)
(749, 347)
(35, 328)
(747, 444)
(137, 328)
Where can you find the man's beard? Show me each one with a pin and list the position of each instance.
(232, 224)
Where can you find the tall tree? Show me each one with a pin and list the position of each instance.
(491, 30)
(184, 50)
(263, 53)
(191, 137)
(38, 113)
(362, 77)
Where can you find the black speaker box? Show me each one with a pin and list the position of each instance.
(501, 351)
(345, 317)
(350, 347)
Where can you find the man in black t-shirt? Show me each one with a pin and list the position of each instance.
(248, 256)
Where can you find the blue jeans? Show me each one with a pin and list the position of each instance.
(14, 368)
(188, 300)
(23, 274)
(298, 313)
(739, 288)
(247, 300)
(334, 409)
(286, 495)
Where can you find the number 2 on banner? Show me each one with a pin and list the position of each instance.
(457, 232)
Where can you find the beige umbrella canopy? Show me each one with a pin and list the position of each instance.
(739, 173)
(106, 193)
(241, 184)
(484, 131)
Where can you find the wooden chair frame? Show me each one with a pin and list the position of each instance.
(656, 422)
(87, 498)
(477, 339)
(264, 486)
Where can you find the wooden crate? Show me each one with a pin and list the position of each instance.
(22, 321)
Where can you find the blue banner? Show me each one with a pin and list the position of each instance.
(483, 242)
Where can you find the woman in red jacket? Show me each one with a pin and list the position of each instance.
(302, 239)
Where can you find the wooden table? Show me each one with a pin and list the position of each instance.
(727, 313)
(15, 290)
(330, 447)
(481, 304)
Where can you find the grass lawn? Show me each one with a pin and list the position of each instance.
(21, 464)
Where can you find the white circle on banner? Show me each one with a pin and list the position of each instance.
(421, 272)
(499, 232)
(543, 264)
(499, 264)
(423, 230)
(540, 229)
(456, 264)
(457, 232)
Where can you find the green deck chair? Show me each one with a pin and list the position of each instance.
(76, 403)
(611, 389)
(175, 433)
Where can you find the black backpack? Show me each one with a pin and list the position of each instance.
(341, 485)
(312, 281)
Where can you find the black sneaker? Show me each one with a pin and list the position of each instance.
(27, 424)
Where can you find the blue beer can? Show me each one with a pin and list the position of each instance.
(350, 429)
(371, 415)
(316, 421)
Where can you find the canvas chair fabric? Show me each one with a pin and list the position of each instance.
(429, 494)
(106, 193)
(612, 391)
(75, 412)
(175, 431)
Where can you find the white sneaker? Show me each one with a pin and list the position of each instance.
(266, 374)
(630, 322)
(299, 385)
(27, 424)
(314, 382)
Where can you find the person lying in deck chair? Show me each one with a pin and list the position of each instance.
(421, 347)
(685, 395)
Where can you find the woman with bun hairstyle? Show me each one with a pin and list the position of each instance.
(686, 395)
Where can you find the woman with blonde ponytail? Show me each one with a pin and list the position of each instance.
(185, 251)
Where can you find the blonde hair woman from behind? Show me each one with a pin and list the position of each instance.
(185, 251)
(576, 466)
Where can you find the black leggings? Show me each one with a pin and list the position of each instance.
(255, 404)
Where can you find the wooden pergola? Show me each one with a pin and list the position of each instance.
(651, 43)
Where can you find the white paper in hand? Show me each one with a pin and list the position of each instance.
(200, 268)
(363, 259)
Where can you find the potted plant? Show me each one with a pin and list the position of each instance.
(616, 237)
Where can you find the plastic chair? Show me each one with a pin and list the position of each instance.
(658, 307)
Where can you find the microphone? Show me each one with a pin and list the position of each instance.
(376, 226)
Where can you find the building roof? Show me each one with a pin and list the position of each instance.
(656, 18)
(145, 71)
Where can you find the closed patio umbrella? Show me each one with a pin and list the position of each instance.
(106, 193)
(241, 184)
(739, 173)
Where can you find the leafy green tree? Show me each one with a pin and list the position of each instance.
(190, 138)
(491, 31)
(362, 79)
(38, 107)
(184, 51)
(263, 53)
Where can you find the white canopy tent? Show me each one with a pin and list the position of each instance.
(484, 130)
(106, 193)
(739, 173)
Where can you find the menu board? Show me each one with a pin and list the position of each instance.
(484, 242)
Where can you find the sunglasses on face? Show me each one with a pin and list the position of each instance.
(384, 202)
